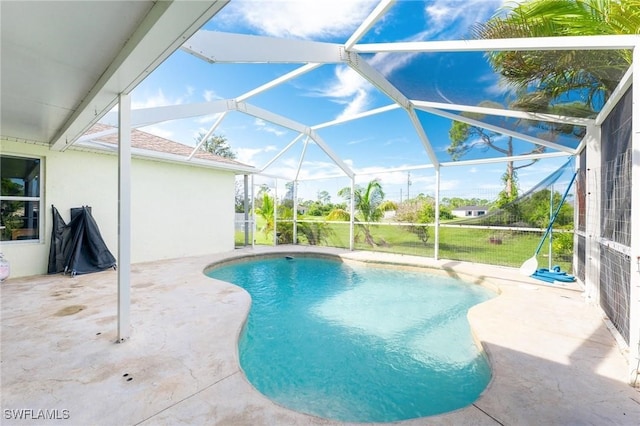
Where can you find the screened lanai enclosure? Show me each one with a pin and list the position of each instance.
(407, 108)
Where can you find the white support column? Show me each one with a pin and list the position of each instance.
(124, 216)
(253, 213)
(592, 218)
(246, 209)
(436, 238)
(295, 212)
(352, 213)
(634, 296)
(275, 214)
(551, 210)
(576, 213)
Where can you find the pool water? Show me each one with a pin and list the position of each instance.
(358, 343)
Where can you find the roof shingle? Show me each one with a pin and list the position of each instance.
(147, 141)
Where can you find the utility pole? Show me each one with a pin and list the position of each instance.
(408, 183)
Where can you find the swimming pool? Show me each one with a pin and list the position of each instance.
(358, 343)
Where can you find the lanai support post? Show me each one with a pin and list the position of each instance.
(275, 214)
(295, 212)
(634, 296)
(352, 213)
(436, 237)
(253, 213)
(246, 210)
(124, 216)
(592, 217)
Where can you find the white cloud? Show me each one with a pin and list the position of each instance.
(443, 16)
(263, 126)
(310, 170)
(358, 104)
(210, 95)
(303, 18)
(358, 141)
(248, 155)
(328, 19)
(151, 101)
(446, 19)
(159, 131)
(159, 98)
(495, 85)
(454, 18)
(207, 119)
(348, 88)
(439, 12)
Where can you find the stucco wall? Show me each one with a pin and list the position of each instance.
(176, 210)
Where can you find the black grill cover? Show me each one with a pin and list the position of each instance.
(78, 247)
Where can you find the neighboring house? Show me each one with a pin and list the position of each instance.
(178, 207)
(470, 211)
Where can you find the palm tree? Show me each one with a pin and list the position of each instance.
(265, 211)
(553, 73)
(367, 203)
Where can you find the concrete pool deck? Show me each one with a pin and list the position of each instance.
(554, 361)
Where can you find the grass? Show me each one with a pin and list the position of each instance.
(465, 244)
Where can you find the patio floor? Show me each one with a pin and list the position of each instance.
(554, 361)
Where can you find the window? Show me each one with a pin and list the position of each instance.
(20, 198)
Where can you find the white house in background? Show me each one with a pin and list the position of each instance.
(178, 207)
(470, 211)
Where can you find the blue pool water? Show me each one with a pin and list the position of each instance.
(361, 344)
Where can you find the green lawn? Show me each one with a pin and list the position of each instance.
(472, 245)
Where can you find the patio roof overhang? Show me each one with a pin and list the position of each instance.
(59, 77)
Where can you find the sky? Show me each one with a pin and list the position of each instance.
(370, 145)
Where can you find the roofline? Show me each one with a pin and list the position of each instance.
(145, 154)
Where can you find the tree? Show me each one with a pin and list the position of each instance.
(239, 197)
(324, 197)
(10, 216)
(287, 200)
(388, 206)
(536, 210)
(367, 203)
(339, 214)
(216, 145)
(265, 211)
(465, 137)
(543, 77)
(418, 212)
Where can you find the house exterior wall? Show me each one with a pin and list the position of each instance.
(176, 210)
(463, 212)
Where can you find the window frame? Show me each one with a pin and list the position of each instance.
(39, 199)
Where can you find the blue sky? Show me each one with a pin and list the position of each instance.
(369, 145)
